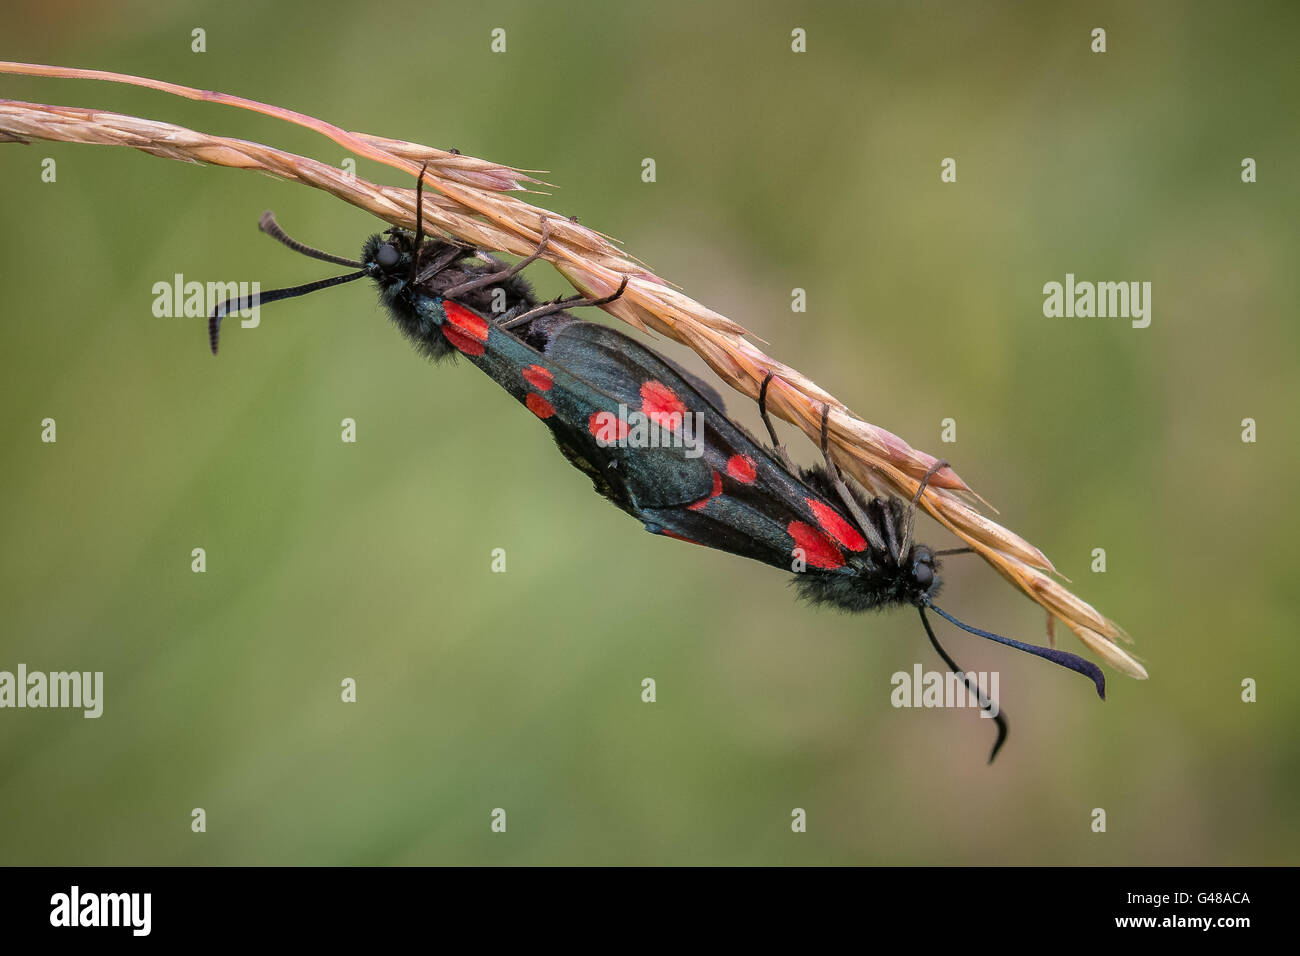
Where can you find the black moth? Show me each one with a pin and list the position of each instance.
(598, 390)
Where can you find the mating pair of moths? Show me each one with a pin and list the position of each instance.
(740, 495)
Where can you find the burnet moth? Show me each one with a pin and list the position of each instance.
(654, 440)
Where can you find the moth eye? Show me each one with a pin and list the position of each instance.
(387, 256)
(923, 573)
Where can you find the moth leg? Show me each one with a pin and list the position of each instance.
(438, 264)
(419, 223)
(776, 442)
(846, 496)
(910, 519)
(546, 308)
(606, 300)
(493, 278)
(891, 534)
(559, 305)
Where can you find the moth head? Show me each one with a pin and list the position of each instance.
(921, 568)
(387, 257)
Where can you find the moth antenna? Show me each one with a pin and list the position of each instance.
(236, 303)
(948, 551)
(910, 518)
(971, 684)
(1071, 661)
(272, 228)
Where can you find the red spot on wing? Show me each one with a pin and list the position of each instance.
(717, 490)
(538, 405)
(741, 467)
(539, 378)
(464, 343)
(606, 427)
(661, 405)
(818, 552)
(680, 537)
(463, 329)
(834, 525)
(466, 321)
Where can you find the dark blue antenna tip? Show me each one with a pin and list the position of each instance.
(1065, 659)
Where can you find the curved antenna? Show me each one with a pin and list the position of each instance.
(971, 684)
(1071, 661)
(238, 303)
(272, 228)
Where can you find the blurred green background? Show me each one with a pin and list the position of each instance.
(521, 690)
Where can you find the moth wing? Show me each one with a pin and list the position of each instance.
(723, 489)
(569, 402)
(754, 502)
